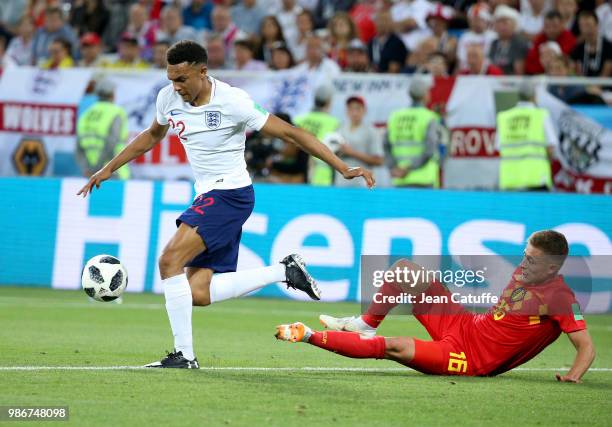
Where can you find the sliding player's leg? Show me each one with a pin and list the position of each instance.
(430, 357)
(367, 323)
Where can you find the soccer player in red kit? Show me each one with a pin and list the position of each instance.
(531, 313)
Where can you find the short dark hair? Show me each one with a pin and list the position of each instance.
(553, 14)
(186, 51)
(588, 14)
(64, 42)
(245, 44)
(551, 242)
(54, 10)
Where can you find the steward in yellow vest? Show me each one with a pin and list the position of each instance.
(525, 137)
(320, 123)
(102, 133)
(413, 135)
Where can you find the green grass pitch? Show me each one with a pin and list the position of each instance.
(43, 327)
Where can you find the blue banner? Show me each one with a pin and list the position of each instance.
(48, 232)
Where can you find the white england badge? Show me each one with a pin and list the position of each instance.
(213, 119)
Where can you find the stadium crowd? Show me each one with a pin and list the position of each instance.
(453, 37)
(495, 37)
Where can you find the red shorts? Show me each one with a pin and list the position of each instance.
(444, 320)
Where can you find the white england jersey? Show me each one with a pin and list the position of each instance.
(213, 134)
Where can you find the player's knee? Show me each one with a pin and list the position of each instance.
(168, 263)
(400, 349)
(200, 298)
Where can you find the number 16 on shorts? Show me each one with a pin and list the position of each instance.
(457, 363)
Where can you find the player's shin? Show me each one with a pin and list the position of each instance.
(349, 344)
(225, 286)
(179, 307)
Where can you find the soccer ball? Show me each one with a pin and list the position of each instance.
(104, 278)
(333, 141)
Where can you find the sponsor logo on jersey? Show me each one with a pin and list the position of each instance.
(518, 294)
(213, 119)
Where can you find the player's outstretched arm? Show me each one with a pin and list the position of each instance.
(280, 129)
(585, 354)
(145, 140)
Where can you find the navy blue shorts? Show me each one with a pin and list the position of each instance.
(219, 216)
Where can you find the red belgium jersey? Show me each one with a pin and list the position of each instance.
(526, 320)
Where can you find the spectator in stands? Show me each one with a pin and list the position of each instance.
(478, 64)
(567, 9)
(171, 26)
(604, 14)
(36, 9)
(437, 21)
(509, 50)
(216, 53)
(437, 65)
(387, 51)
(271, 32)
(129, 54)
(141, 27)
(409, 18)
(572, 94)
(282, 59)
(20, 47)
(592, 57)
(89, 16)
(532, 18)
(197, 14)
(325, 9)
(305, 27)
(357, 60)
(479, 19)
(59, 55)
(559, 67)
(363, 15)
(54, 27)
(553, 31)
(5, 60)
(287, 17)
(244, 61)
(341, 31)
(363, 145)
(418, 58)
(548, 52)
(223, 26)
(159, 54)
(316, 62)
(91, 48)
(247, 15)
(12, 13)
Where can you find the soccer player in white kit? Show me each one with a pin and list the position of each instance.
(198, 265)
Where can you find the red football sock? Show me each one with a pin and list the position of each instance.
(349, 344)
(377, 311)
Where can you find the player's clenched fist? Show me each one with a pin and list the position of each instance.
(95, 180)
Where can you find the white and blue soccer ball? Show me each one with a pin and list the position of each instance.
(104, 278)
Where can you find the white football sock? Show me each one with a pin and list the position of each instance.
(178, 306)
(232, 285)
